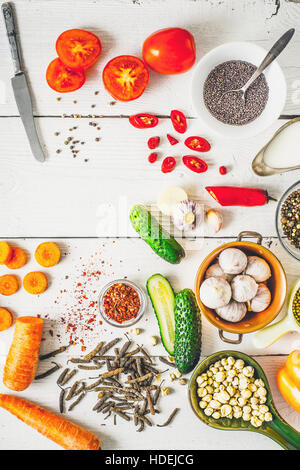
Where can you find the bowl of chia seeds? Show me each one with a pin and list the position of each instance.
(288, 220)
(228, 67)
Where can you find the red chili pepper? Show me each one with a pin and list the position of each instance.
(194, 163)
(153, 142)
(152, 157)
(235, 196)
(172, 140)
(168, 164)
(199, 144)
(223, 170)
(179, 121)
(143, 120)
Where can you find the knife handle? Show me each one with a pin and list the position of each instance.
(8, 15)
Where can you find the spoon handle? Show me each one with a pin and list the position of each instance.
(283, 434)
(265, 337)
(272, 54)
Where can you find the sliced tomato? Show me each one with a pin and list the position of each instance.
(199, 144)
(143, 120)
(179, 121)
(168, 164)
(78, 49)
(172, 139)
(153, 142)
(62, 79)
(125, 77)
(194, 163)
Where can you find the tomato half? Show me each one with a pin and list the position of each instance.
(170, 51)
(78, 49)
(125, 77)
(62, 79)
(168, 164)
(143, 120)
(194, 163)
(179, 121)
(197, 143)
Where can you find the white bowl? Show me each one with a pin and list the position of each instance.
(274, 76)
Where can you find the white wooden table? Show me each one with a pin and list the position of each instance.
(65, 198)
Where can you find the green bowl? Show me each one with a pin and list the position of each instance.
(278, 429)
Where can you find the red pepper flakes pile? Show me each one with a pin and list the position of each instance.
(121, 303)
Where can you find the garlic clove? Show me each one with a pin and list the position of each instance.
(215, 292)
(244, 288)
(258, 268)
(233, 260)
(262, 300)
(189, 218)
(233, 312)
(215, 219)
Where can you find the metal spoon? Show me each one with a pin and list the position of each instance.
(272, 54)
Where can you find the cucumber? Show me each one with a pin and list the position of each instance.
(187, 331)
(163, 299)
(157, 238)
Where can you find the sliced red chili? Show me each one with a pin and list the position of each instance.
(168, 164)
(152, 157)
(194, 163)
(172, 140)
(179, 121)
(199, 144)
(153, 142)
(222, 170)
(143, 120)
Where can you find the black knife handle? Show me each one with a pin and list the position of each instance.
(8, 15)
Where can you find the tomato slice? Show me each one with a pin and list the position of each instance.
(143, 120)
(168, 164)
(78, 49)
(199, 144)
(62, 79)
(125, 77)
(172, 139)
(179, 121)
(194, 163)
(153, 142)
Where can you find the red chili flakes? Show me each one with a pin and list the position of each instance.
(121, 303)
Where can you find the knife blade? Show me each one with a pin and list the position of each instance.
(20, 85)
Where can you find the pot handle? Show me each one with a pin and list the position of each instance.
(247, 233)
(231, 341)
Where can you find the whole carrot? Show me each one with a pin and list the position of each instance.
(22, 360)
(68, 435)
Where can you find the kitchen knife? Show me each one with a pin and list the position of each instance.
(20, 85)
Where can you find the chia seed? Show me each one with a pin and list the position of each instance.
(231, 108)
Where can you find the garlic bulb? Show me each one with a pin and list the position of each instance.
(258, 268)
(215, 292)
(232, 261)
(233, 312)
(244, 288)
(262, 300)
(187, 214)
(215, 270)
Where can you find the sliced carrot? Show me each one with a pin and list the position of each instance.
(47, 254)
(68, 435)
(22, 360)
(5, 252)
(6, 319)
(17, 260)
(8, 284)
(35, 282)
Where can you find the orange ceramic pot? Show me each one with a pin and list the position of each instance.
(277, 285)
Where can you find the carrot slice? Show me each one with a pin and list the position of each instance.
(8, 284)
(35, 282)
(6, 319)
(18, 259)
(22, 360)
(47, 254)
(5, 252)
(65, 433)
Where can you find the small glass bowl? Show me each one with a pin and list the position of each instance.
(142, 297)
(291, 249)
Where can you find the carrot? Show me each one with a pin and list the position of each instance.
(22, 360)
(68, 435)
(5, 252)
(35, 282)
(6, 319)
(47, 254)
(18, 259)
(8, 284)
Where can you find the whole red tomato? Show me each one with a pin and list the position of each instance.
(170, 51)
